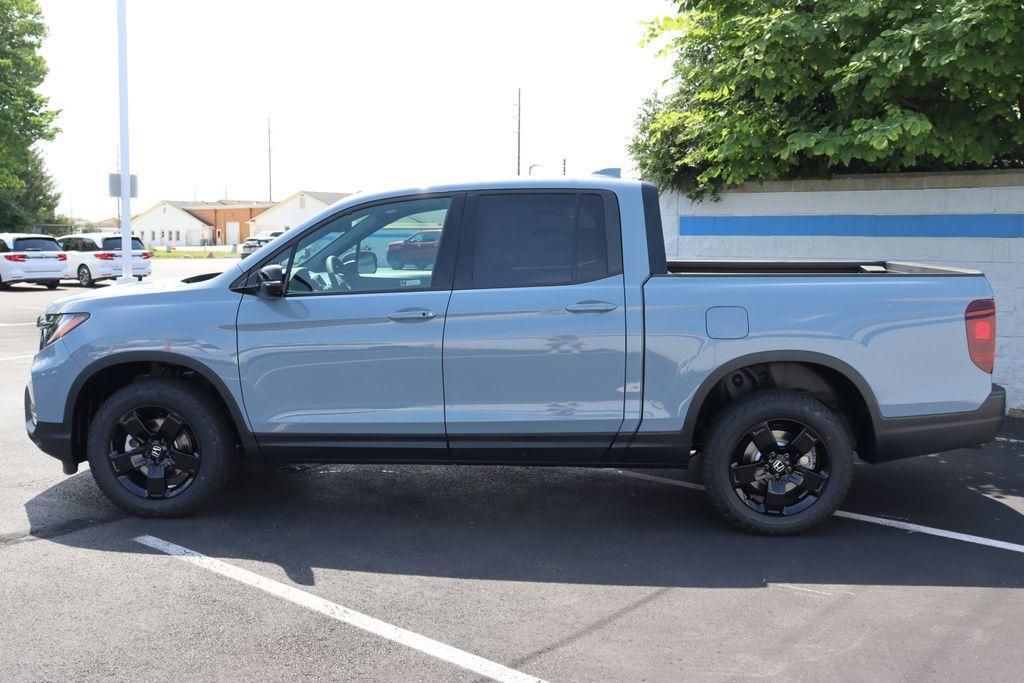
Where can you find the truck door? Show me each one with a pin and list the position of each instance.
(534, 343)
(347, 364)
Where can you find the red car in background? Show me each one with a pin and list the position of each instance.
(418, 250)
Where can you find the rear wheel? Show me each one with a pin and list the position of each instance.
(396, 262)
(85, 276)
(160, 447)
(777, 462)
(52, 284)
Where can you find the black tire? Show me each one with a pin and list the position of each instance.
(52, 284)
(202, 418)
(396, 262)
(788, 424)
(4, 285)
(85, 276)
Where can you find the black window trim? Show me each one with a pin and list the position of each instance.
(444, 265)
(613, 237)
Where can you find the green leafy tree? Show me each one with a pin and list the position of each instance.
(26, 192)
(772, 89)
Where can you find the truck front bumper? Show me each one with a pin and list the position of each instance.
(904, 437)
(52, 438)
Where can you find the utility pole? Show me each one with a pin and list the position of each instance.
(563, 165)
(126, 187)
(519, 130)
(270, 167)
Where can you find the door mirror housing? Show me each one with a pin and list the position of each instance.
(366, 263)
(271, 281)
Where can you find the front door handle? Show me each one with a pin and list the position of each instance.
(591, 307)
(412, 314)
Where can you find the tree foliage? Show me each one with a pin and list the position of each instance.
(26, 192)
(770, 89)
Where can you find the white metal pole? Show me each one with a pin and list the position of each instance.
(126, 189)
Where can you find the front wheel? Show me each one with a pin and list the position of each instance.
(160, 447)
(395, 261)
(52, 284)
(777, 462)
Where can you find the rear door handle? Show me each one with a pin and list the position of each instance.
(412, 314)
(591, 307)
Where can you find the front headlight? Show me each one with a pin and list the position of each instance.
(54, 326)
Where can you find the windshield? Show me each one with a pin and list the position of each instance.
(36, 244)
(113, 243)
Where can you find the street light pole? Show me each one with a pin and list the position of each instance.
(126, 185)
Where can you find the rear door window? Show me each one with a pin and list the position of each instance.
(529, 240)
(36, 244)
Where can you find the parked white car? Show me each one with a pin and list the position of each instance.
(31, 258)
(97, 256)
(256, 241)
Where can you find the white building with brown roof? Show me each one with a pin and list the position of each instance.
(293, 210)
(192, 224)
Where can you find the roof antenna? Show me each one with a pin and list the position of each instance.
(609, 172)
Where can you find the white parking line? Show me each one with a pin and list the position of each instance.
(31, 355)
(14, 324)
(882, 521)
(1006, 439)
(461, 658)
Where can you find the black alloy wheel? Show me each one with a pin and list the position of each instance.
(777, 462)
(780, 467)
(162, 447)
(154, 453)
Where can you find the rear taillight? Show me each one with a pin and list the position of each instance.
(62, 257)
(980, 319)
(146, 254)
(104, 256)
(16, 257)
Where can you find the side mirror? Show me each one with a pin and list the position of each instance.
(366, 263)
(271, 281)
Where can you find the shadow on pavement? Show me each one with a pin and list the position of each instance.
(576, 526)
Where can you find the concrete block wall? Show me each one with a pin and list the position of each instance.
(887, 211)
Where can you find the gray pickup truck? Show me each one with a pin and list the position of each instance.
(547, 329)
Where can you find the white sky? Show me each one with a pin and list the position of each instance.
(359, 95)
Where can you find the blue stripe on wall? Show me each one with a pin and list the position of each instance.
(924, 225)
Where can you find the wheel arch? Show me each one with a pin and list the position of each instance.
(101, 377)
(845, 383)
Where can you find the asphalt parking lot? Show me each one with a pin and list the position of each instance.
(457, 573)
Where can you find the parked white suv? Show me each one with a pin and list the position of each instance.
(256, 241)
(31, 258)
(97, 256)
